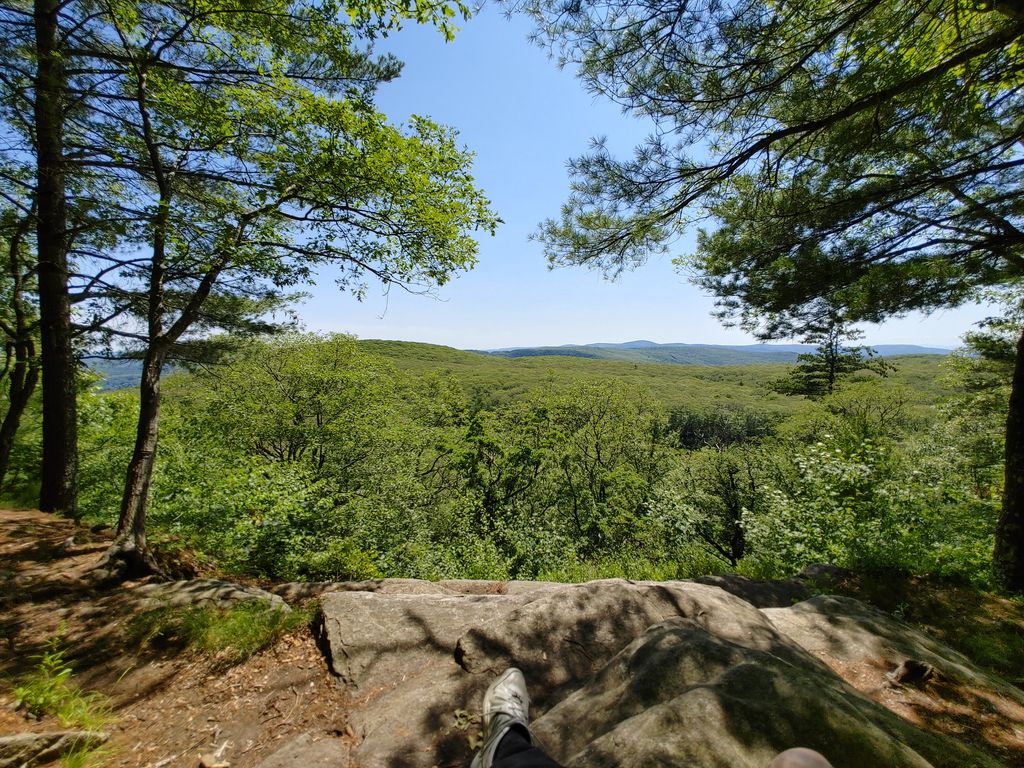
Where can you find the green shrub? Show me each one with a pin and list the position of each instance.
(697, 429)
(871, 506)
(686, 562)
(47, 690)
(338, 560)
(465, 557)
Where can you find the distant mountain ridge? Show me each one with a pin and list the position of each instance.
(642, 351)
(120, 374)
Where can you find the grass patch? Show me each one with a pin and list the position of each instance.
(997, 645)
(47, 690)
(230, 635)
(87, 758)
(687, 562)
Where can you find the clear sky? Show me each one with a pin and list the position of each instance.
(525, 118)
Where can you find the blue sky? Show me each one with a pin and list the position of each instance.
(525, 118)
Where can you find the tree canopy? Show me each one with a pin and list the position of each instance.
(819, 373)
(863, 150)
(863, 155)
(241, 144)
(214, 155)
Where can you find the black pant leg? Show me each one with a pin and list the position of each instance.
(515, 751)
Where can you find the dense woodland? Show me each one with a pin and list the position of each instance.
(173, 172)
(325, 458)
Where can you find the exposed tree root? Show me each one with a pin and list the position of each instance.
(125, 560)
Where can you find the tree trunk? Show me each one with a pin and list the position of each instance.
(1008, 557)
(60, 433)
(128, 555)
(24, 377)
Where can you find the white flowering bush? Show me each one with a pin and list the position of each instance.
(865, 505)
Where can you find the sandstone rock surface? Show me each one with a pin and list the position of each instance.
(635, 674)
(681, 695)
(847, 631)
(308, 751)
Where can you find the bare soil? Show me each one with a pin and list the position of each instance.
(168, 708)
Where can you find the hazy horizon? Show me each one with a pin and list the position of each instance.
(658, 343)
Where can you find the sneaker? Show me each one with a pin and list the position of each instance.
(506, 704)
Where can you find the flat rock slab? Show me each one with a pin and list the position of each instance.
(866, 646)
(621, 674)
(297, 591)
(561, 637)
(841, 629)
(397, 652)
(761, 594)
(23, 750)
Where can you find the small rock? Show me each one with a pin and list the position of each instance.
(212, 761)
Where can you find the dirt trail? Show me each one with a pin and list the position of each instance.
(168, 709)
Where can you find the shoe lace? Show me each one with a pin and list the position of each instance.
(515, 705)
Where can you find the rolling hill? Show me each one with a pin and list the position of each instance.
(695, 354)
(735, 378)
(495, 378)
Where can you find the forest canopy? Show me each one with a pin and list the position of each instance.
(308, 457)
